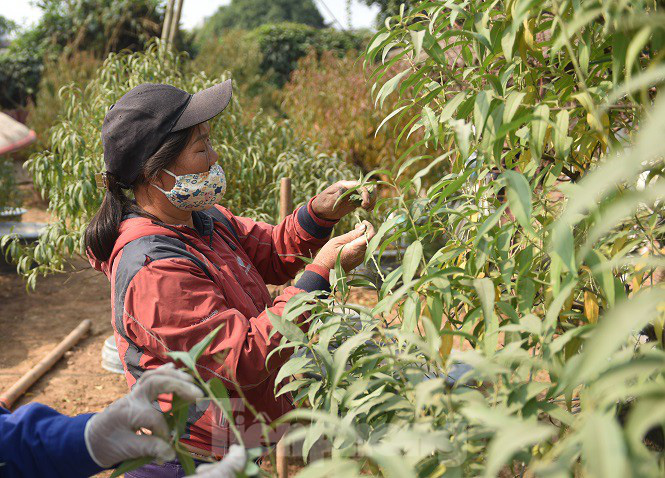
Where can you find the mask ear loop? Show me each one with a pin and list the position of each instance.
(168, 172)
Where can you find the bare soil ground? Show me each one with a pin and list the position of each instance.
(32, 323)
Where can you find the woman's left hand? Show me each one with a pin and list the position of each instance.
(327, 207)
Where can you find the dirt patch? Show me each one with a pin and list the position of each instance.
(32, 323)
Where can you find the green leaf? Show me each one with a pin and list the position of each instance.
(390, 86)
(508, 42)
(481, 109)
(409, 314)
(597, 262)
(342, 354)
(196, 351)
(293, 366)
(417, 41)
(186, 461)
(183, 357)
(287, 328)
(389, 117)
(485, 289)
(562, 142)
(431, 124)
(221, 393)
(462, 134)
(538, 130)
(450, 106)
(518, 194)
(489, 223)
(603, 447)
(412, 257)
(509, 441)
(130, 465)
(513, 102)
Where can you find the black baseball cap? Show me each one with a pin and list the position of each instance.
(138, 123)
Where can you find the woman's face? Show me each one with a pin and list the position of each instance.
(197, 157)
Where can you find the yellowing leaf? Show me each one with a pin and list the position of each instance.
(528, 35)
(591, 307)
(446, 342)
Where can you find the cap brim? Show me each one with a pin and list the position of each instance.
(205, 105)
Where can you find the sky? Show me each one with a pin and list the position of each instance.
(194, 11)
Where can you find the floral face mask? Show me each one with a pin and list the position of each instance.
(197, 191)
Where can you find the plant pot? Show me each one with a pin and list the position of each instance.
(11, 214)
(28, 232)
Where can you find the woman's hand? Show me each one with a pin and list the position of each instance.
(353, 245)
(326, 205)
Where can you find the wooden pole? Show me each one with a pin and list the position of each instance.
(285, 198)
(175, 22)
(166, 28)
(8, 398)
(282, 459)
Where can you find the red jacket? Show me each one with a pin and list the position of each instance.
(172, 285)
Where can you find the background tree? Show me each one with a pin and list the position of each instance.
(66, 27)
(387, 8)
(250, 14)
(6, 27)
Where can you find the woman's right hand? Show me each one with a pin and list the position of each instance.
(353, 245)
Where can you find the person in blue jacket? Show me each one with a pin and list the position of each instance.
(37, 441)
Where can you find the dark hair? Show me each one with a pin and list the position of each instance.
(103, 230)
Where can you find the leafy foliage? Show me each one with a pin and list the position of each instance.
(388, 8)
(7, 26)
(255, 154)
(282, 45)
(538, 252)
(9, 193)
(68, 27)
(19, 77)
(96, 26)
(237, 52)
(251, 14)
(340, 115)
(47, 106)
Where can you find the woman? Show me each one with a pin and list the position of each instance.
(180, 265)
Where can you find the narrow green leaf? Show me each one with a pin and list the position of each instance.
(200, 347)
(538, 130)
(513, 102)
(412, 257)
(131, 465)
(518, 193)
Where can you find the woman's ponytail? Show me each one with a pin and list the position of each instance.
(103, 230)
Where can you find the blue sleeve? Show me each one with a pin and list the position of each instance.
(38, 441)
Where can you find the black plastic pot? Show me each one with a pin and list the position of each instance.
(28, 232)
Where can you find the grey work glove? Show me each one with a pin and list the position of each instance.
(232, 464)
(110, 436)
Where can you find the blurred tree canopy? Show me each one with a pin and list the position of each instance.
(387, 7)
(97, 26)
(6, 27)
(66, 27)
(250, 14)
(283, 44)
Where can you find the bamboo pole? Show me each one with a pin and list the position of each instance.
(175, 22)
(285, 198)
(166, 28)
(282, 459)
(285, 208)
(8, 398)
